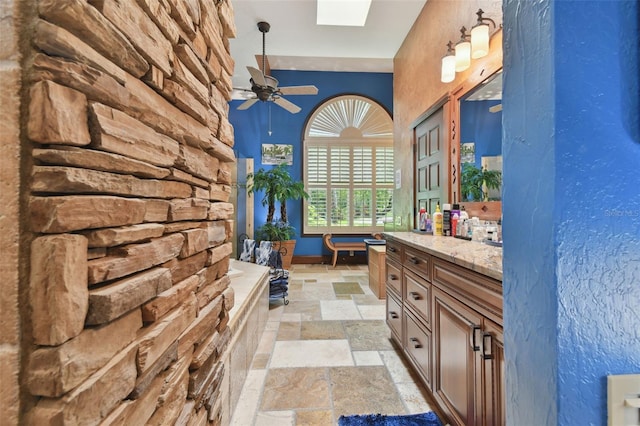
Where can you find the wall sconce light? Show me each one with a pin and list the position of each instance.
(480, 36)
(463, 51)
(474, 45)
(448, 73)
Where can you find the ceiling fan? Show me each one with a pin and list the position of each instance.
(265, 88)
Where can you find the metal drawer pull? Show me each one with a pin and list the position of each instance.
(415, 295)
(486, 355)
(414, 260)
(416, 342)
(393, 315)
(474, 344)
(391, 249)
(393, 277)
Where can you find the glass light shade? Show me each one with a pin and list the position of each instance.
(479, 41)
(448, 69)
(463, 55)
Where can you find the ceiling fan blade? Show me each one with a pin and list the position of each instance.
(299, 90)
(267, 67)
(289, 106)
(257, 76)
(246, 104)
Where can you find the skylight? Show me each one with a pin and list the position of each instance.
(348, 13)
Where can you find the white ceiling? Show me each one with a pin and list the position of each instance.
(295, 42)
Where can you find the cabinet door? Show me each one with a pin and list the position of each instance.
(457, 338)
(493, 374)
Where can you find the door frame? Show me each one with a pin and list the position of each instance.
(440, 104)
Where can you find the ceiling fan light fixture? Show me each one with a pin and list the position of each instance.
(265, 87)
(347, 13)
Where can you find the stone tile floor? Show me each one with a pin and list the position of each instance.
(326, 354)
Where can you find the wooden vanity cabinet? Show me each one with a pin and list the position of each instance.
(377, 270)
(468, 345)
(451, 334)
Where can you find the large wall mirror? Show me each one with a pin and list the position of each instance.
(481, 141)
(478, 144)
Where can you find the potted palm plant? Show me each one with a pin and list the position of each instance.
(278, 186)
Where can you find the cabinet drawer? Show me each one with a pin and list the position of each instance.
(394, 250)
(394, 317)
(418, 296)
(418, 262)
(394, 277)
(417, 346)
(480, 292)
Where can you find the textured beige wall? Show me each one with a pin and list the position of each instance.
(416, 80)
(10, 72)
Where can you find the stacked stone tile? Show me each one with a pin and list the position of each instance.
(131, 152)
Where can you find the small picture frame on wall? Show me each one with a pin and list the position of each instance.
(468, 152)
(276, 154)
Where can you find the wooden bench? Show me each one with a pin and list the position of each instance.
(337, 247)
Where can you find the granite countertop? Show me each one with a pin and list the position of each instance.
(482, 258)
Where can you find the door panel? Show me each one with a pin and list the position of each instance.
(430, 162)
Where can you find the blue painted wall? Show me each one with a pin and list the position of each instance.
(251, 129)
(482, 127)
(571, 206)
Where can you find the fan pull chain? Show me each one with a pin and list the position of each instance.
(269, 119)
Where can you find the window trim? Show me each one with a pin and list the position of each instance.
(383, 122)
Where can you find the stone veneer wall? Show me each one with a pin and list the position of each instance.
(118, 126)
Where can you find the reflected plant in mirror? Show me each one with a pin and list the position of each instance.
(481, 141)
(476, 182)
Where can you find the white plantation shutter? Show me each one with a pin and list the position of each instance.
(317, 165)
(340, 165)
(348, 170)
(362, 165)
(384, 165)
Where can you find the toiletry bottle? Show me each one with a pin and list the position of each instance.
(446, 220)
(463, 214)
(437, 221)
(429, 229)
(454, 224)
(423, 219)
(455, 209)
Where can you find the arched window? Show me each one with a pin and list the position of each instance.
(348, 172)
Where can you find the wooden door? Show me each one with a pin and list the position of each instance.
(493, 375)
(431, 162)
(457, 338)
